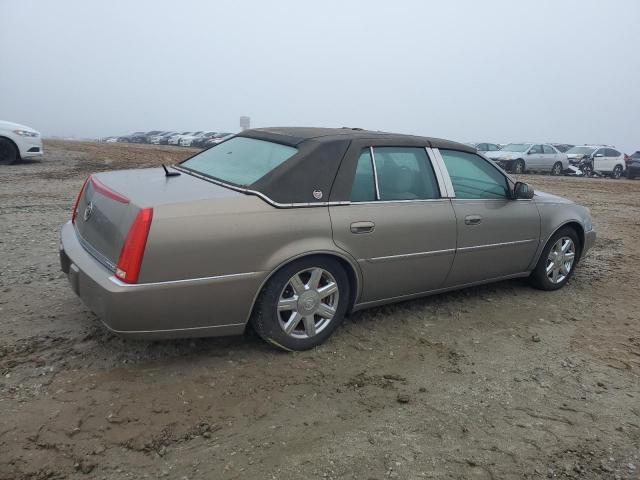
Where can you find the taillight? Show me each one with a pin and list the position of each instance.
(74, 214)
(132, 252)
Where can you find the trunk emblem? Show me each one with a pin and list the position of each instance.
(88, 211)
(317, 194)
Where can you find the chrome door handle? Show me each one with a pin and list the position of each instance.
(472, 220)
(362, 227)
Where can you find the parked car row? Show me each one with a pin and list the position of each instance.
(558, 158)
(199, 139)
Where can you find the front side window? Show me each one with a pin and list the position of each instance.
(474, 177)
(240, 160)
(548, 149)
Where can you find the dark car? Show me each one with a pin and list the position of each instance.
(633, 166)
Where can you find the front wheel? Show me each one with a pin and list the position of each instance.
(519, 166)
(617, 172)
(8, 152)
(557, 261)
(302, 304)
(556, 169)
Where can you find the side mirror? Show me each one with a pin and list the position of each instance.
(522, 191)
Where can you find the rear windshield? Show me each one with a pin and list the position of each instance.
(581, 150)
(240, 160)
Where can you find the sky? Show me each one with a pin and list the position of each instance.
(494, 70)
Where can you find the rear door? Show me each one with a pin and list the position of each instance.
(534, 159)
(399, 224)
(550, 157)
(497, 236)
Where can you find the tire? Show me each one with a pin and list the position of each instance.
(286, 311)
(617, 172)
(552, 274)
(556, 170)
(8, 152)
(519, 166)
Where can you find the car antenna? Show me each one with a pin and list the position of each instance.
(167, 173)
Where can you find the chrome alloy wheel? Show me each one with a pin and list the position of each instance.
(560, 260)
(308, 303)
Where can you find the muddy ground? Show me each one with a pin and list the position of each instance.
(499, 381)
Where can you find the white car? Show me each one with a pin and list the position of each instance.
(520, 157)
(175, 140)
(185, 140)
(18, 142)
(597, 159)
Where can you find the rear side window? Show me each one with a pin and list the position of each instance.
(240, 160)
(405, 173)
(548, 149)
(474, 177)
(364, 188)
(612, 153)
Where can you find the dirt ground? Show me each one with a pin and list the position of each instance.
(494, 382)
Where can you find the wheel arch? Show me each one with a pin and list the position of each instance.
(349, 264)
(576, 225)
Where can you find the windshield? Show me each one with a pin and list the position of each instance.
(581, 150)
(516, 147)
(240, 160)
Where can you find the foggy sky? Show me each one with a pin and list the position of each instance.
(500, 71)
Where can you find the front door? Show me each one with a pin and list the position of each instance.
(535, 157)
(398, 226)
(497, 236)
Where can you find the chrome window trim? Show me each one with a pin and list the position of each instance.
(378, 202)
(115, 280)
(446, 189)
(248, 191)
(375, 172)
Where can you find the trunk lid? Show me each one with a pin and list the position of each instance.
(111, 201)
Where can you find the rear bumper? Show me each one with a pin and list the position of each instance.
(203, 307)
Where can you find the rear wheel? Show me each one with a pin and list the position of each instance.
(557, 261)
(8, 152)
(519, 166)
(556, 169)
(302, 304)
(617, 172)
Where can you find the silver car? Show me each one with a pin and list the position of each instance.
(291, 229)
(541, 157)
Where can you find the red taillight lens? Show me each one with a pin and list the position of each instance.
(128, 268)
(74, 214)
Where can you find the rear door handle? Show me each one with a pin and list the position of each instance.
(362, 227)
(472, 220)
